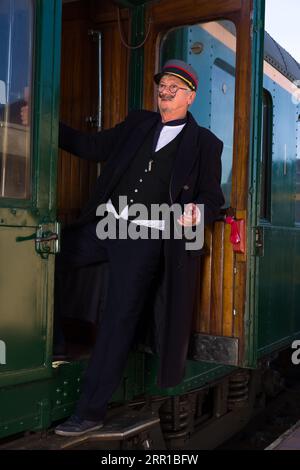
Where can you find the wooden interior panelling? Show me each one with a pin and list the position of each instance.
(228, 284)
(242, 110)
(221, 292)
(217, 279)
(213, 313)
(167, 13)
(79, 90)
(239, 303)
(204, 288)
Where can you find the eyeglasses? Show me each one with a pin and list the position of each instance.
(171, 88)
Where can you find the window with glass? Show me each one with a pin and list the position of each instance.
(211, 50)
(16, 37)
(297, 201)
(266, 157)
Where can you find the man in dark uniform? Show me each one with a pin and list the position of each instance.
(152, 158)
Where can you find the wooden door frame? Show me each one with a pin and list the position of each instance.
(164, 15)
(167, 14)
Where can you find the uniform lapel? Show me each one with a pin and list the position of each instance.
(130, 148)
(136, 139)
(185, 158)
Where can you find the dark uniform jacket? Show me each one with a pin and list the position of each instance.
(196, 177)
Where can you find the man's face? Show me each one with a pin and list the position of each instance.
(174, 104)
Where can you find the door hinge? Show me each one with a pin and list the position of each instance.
(259, 241)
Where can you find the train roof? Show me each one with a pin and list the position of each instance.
(275, 55)
(281, 59)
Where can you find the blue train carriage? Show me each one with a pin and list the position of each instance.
(78, 61)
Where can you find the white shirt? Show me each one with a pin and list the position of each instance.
(167, 134)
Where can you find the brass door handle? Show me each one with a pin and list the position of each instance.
(43, 238)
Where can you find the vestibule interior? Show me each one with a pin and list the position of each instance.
(93, 95)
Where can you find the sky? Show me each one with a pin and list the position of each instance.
(283, 24)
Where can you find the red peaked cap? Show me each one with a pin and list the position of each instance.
(179, 69)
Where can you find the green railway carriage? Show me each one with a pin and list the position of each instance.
(89, 62)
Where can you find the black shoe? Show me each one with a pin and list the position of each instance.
(76, 426)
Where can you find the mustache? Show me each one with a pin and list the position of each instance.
(165, 97)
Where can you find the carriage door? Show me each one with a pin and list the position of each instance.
(223, 41)
(29, 60)
(277, 214)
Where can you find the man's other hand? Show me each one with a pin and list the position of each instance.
(191, 216)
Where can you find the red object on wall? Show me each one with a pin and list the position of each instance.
(237, 235)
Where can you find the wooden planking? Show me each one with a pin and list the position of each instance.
(165, 15)
(242, 110)
(214, 299)
(217, 279)
(76, 10)
(210, 300)
(205, 286)
(196, 317)
(105, 11)
(239, 304)
(79, 91)
(77, 106)
(115, 79)
(78, 99)
(228, 284)
(167, 12)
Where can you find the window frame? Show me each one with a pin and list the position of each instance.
(41, 206)
(28, 179)
(266, 157)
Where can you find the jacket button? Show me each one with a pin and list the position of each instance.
(186, 186)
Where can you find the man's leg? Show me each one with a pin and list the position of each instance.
(133, 265)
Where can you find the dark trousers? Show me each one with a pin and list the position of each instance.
(133, 265)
